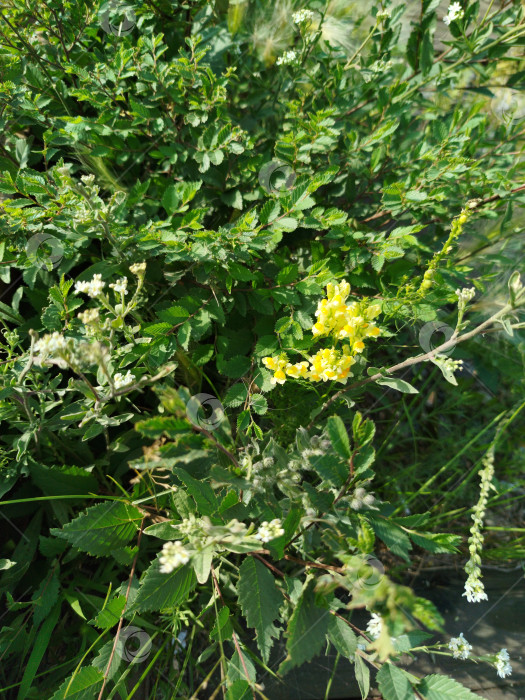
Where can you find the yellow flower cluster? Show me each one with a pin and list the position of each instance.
(348, 322)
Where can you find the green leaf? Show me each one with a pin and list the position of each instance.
(37, 652)
(399, 384)
(83, 685)
(394, 537)
(236, 395)
(342, 637)
(438, 687)
(339, 436)
(171, 199)
(260, 601)
(362, 676)
(110, 613)
(160, 591)
(306, 630)
(102, 528)
(330, 468)
(259, 404)
(393, 683)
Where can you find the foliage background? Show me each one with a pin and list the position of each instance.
(177, 121)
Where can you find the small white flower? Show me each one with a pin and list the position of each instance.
(173, 555)
(302, 16)
(51, 343)
(474, 590)
(502, 664)
(383, 14)
(455, 11)
(465, 295)
(287, 58)
(120, 286)
(269, 530)
(93, 288)
(138, 268)
(459, 647)
(120, 380)
(375, 624)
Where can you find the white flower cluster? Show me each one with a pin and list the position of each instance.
(269, 530)
(173, 555)
(375, 625)
(502, 664)
(474, 589)
(302, 16)
(121, 286)
(448, 363)
(382, 15)
(50, 344)
(287, 58)
(465, 295)
(120, 380)
(361, 498)
(455, 11)
(93, 288)
(459, 647)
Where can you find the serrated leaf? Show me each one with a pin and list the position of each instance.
(339, 436)
(342, 637)
(306, 630)
(438, 687)
(260, 601)
(362, 676)
(259, 404)
(160, 591)
(393, 683)
(236, 395)
(83, 685)
(110, 613)
(102, 528)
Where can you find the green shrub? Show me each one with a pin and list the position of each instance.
(239, 246)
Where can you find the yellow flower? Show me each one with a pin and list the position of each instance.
(279, 377)
(358, 346)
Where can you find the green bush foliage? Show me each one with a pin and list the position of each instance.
(186, 455)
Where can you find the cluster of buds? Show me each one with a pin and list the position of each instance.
(55, 349)
(361, 498)
(474, 589)
(350, 323)
(374, 626)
